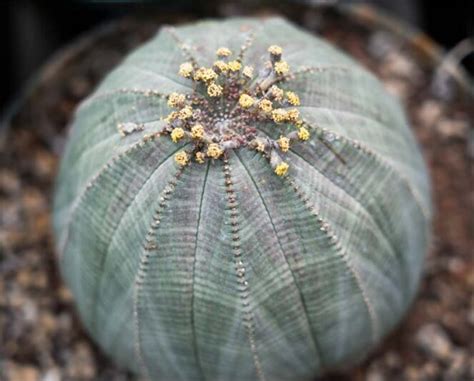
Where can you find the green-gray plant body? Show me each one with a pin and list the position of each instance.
(261, 214)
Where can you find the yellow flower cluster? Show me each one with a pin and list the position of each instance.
(177, 134)
(246, 101)
(260, 146)
(265, 105)
(275, 50)
(234, 65)
(221, 66)
(197, 131)
(214, 151)
(185, 69)
(185, 113)
(200, 156)
(171, 116)
(214, 90)
(281, 169)
(293, 115)
(205, 75)
(279, 115)
(181, 158)
(176, 99)
(281, 67)
(248, 71)
(303, 133)
(293, 98)
(223, 52)
(276, 92)
(284, 143)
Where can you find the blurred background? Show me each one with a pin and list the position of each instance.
(30, 31)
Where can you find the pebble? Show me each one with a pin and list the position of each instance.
(430, 112)
(81, 364)
(9, 181)
(16, 372)
(52, 374)
(30, 311)
(397, 87)
(375, 374)
(399, 65)
(432, 339)
(393, 360)
(459, 366)
(449, 128)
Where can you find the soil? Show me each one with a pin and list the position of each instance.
(40, 335)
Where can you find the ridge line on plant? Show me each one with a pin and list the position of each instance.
(185, 48)
(148, 246)
(90, 183)
(377, 157)
(117, 227)
(193, 328)
(302, 301)
(389, 244)
(334, 240)
(248, 318)
(288, 78)
(88, 102)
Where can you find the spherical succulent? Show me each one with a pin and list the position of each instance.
(239, 200)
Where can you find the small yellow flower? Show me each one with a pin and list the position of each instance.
(205, 75)
(221, 66)
(198, 75)
(303, 133)
(176, 99)
(248, 71)
(246, 101)
(281, 67)
(234, 65)
(197, 131)
(293, 115)
(177, 134)
(284, 143)
(171, 116)
(223, 52)
(185, 69)
(214, 151)
(214, 90)
(275, 50)
(185, 113)
(260, 146)
(200, 157)
(265, 105)
(210, 75)
(293, 98)
(281, 169)
(279, 115)
(276, 92)
(181, 158)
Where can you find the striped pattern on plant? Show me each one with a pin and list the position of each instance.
(240, 200)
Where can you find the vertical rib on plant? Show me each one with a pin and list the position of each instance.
(239, 200)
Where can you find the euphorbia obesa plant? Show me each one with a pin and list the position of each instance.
(240, 201)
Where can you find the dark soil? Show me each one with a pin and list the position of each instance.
(40, 335)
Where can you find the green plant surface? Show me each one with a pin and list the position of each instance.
(276, 246)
